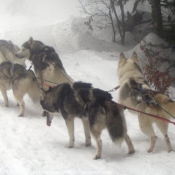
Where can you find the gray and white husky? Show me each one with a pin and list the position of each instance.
(8, 51)
(21, 81)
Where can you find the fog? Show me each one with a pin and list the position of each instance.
(28, 12)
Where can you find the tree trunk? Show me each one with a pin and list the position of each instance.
(157, 17)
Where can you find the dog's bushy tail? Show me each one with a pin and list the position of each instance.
(115, 122)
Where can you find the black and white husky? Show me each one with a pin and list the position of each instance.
(94, 106)
(47, 64)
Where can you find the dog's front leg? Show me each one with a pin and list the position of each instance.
(22, 109)
(19, 98)
(4, 94)
(85, 122)
(70, 127)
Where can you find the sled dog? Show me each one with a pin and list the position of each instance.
(8, 51)
(47, 64)
(62, 99)
(131, 95)
(21, 81)
(91, 105)
(157, 104)
(130, 73)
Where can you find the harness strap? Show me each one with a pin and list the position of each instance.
(152, 101)
(151, 115)
(114, 89)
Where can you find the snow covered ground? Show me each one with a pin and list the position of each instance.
(29, 147)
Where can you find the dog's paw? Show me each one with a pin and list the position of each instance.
(171, 150)
(131, 152)
(70, 145)
(88, 143)
(97, 157)
(21, 115)
(5, 105)
(149, 151)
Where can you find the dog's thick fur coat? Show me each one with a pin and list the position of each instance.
(131, 78)
(62, 99)
(21, 81)
(162, 104)
(8, 51)
(91, 105)
(47, 64)
(130, 73)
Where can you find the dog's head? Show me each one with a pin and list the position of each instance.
(25, 50)
(29, 48)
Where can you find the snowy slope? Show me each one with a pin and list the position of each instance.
(29, 147)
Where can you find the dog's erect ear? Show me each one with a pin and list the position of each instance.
(135, 57)
(122, 57)
(30, 41)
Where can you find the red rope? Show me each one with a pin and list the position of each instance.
(151, 115)
(126, 107)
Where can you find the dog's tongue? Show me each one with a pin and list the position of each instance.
(48, 120)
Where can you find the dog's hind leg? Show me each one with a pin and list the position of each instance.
(129, 144)
(85, 122)
(164, 128)
(96, 134)
(70, 127)
(153, 142)
(4, 94)
(147, 128)
(19, 99)
(22, 108)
